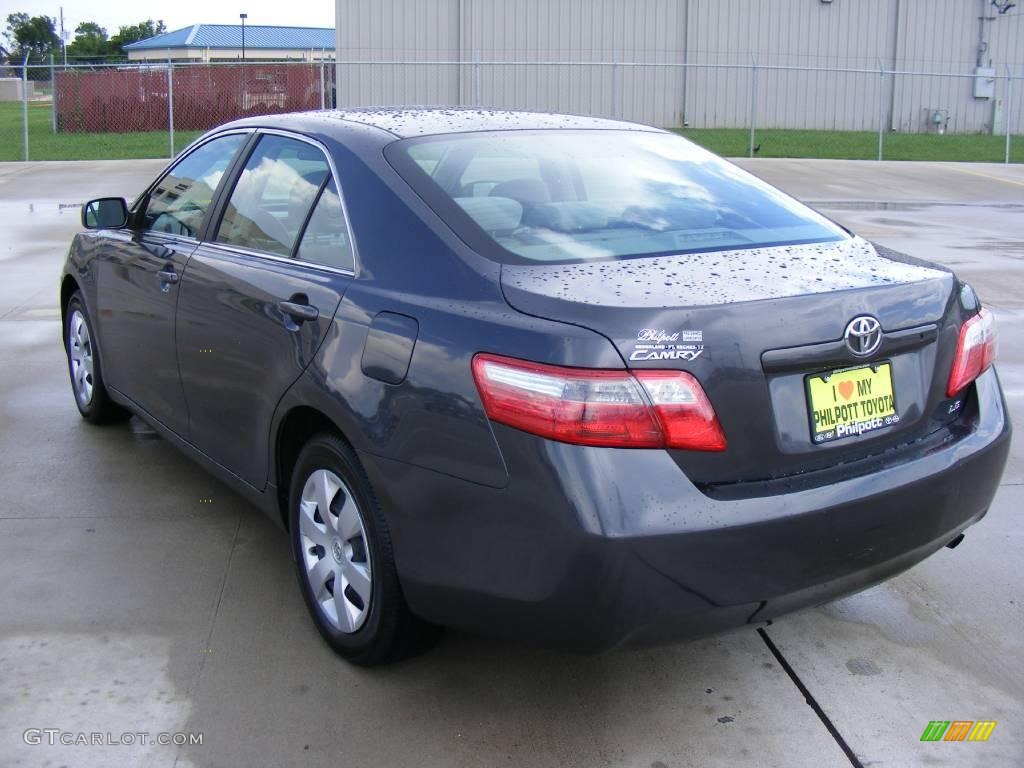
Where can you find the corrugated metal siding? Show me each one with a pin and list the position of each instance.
(525, 47)
(787, 33)
(527, 32)
(1006, 44)
(943, 36)
(606, 31)
(397, 30)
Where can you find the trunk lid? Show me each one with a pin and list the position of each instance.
(752, 325)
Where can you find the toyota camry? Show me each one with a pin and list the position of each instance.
(573, 381)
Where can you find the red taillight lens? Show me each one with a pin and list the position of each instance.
(687, 417)
(974, 353)
(651, 409)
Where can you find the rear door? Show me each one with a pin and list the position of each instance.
(259, 297)
(138, 272)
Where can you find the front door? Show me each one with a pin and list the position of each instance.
(259, 297)
(138, 274)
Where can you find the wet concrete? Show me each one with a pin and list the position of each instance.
(132, 603)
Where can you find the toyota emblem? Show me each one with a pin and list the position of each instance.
(863, 335)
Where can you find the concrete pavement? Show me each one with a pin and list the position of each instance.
(129, 603)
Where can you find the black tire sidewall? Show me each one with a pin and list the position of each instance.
(375, 637)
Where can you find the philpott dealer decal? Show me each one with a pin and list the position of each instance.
(654, 344)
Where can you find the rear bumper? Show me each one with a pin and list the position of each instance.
(587, 549)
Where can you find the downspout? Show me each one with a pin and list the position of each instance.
(458, 43)
(686, 60)
(894, 64)
(983, 34)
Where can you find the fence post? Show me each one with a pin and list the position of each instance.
(881, 109)
(323, 84)
(753, 106)
(170, 106)
(53, 95)
(1009, 111)
(24, 104)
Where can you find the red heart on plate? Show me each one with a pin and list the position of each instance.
(846, 389)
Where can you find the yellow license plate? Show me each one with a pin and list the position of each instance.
(851, 402)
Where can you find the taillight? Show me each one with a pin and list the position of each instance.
(974, 353)
(686, 415)
(642, 409)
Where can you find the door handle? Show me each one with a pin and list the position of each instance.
(167, 276)
(298, 312)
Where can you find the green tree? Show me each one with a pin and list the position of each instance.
(135, 32)
(90, 42)
(35, 35)
(15, 21)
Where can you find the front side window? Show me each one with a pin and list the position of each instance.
(179, 203)
(574, 196)
(273, 196)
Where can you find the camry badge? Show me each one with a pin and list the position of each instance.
(863, 335)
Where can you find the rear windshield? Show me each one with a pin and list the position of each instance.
(575, 196)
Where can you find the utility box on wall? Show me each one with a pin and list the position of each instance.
(984, 83)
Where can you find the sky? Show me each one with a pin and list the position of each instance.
(181, 13)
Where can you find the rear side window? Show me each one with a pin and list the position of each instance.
(326, 240)
(273, 196)
(575, 196)
(181, 199)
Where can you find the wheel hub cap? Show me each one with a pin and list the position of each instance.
(335, 553)
(80, 354)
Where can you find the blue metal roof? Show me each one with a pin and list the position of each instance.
(230, 36)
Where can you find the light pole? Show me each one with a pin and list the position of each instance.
(243, 17)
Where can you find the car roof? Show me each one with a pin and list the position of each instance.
(407, 122)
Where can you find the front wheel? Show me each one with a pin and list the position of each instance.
(342, 549)
(84, 366)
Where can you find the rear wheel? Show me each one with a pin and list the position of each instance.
(342, 549)
(84, 366)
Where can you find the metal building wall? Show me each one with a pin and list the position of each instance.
(375, 31)
(943, 36)
(609, 32)
(531, 33)
(855, 34)
(516, 53)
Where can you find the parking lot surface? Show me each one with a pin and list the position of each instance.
(140, 595)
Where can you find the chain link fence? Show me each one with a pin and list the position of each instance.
(148, 109)
(153, 109)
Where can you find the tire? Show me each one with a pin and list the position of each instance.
(349, 547)
(84, 366)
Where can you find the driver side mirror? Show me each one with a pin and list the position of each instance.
(105, 213)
